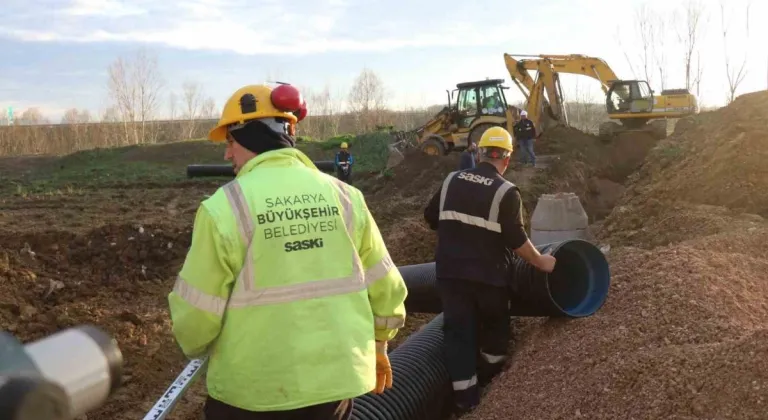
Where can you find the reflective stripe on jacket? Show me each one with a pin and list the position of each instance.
(478, 217)
(292, 259)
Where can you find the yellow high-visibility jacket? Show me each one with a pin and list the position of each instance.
(285, 287)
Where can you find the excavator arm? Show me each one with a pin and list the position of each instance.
(539, 107)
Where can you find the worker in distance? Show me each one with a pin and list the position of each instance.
(477, 214)
(344, 162)
(288, 287)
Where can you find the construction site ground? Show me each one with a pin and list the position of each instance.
(98, 237)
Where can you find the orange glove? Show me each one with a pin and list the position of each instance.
(383, 368)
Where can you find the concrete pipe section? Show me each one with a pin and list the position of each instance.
(558, 217)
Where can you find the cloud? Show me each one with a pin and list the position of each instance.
(264, 27)
(111, 8)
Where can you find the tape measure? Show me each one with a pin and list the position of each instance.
(179, 387)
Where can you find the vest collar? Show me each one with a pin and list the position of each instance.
(277, 158)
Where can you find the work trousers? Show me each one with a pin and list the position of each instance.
(338, 410)
(346, 178)
(476, 335)
(527, 154)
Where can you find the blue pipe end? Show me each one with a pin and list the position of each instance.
(580, 281)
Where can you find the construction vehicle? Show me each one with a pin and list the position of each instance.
(479, 105)
(632, 102)
(482, 104)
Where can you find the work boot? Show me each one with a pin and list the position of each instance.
(460, 410)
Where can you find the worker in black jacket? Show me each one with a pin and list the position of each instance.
(525, 134)
(478, 217)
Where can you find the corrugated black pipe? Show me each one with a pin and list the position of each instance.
(578, 287)
(422, 295)
(199, 170)
(420, 382)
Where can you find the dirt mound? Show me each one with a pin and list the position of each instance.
(717, 158)
(681, 336)
(652, 223)
(593, 169)
(397, 200)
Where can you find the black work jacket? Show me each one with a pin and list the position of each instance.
(524, 130)
(478, 217)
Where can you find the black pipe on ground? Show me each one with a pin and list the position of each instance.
(578, 287)
(420, 382)
(200, 170)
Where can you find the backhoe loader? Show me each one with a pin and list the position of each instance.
(632, 102)
(479, 105)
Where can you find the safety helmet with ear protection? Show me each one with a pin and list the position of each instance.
(282, 106)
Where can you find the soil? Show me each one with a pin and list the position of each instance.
(109, 257)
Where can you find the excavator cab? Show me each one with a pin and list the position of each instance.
(479, 99)
(629, 97)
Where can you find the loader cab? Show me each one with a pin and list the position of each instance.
(629, 96)
(479, 99)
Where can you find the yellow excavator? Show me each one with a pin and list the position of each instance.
(482, 104)
(632, 102)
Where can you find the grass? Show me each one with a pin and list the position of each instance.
(163, 164)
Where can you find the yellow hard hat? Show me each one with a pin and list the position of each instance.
(258, 101)
(496, 137)
(344, 145)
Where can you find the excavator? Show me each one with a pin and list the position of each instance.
(482, 104)
(632, 102)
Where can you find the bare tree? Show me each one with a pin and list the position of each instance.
(734, 76)
(659, 48)
(111, 115)
(173, 101)
(366, 98)
(192, 94)
(135, 88)
(644, 24)
(689, 38)
(73, 116)
(31, 116)
(208, 109)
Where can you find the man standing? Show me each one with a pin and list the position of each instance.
(525, 133)
(478, 218)
(344, 162)
(468, 157)
(288, 287)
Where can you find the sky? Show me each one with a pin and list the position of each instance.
(56, 52)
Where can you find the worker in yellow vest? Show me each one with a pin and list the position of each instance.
(288, 287)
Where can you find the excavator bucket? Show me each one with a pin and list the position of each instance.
(395, 157)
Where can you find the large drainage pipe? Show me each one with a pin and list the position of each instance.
(578, 287)
(421, 387)
(420, 382)
(201, 170)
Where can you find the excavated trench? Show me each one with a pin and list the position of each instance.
(109, 257)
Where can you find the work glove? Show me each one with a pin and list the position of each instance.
(383, 368)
